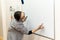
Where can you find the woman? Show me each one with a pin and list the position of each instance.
(17, 29)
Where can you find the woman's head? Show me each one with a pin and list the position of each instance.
(19, 15)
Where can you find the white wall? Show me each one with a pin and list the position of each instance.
(57, 19)
(3, 14)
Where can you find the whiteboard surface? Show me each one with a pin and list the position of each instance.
(41, 11)
(38, 11)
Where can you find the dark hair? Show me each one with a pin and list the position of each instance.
(17, 15)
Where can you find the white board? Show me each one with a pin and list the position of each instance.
(38, 11)
(41, 11)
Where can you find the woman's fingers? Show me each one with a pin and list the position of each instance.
(41, 26)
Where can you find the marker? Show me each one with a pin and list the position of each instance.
(22, 1)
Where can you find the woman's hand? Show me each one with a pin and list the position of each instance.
(41, 26)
